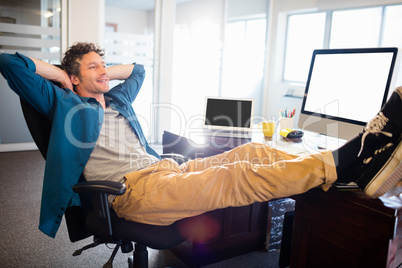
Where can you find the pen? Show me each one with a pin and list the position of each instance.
(286, 113)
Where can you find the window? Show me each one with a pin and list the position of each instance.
(392, 33)
(356, 28)
(301, 43)
(196, 64)
(243, 60)
(365, 27)
(216, 55)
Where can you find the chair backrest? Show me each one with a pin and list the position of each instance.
(40, 127)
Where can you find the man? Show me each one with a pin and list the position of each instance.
(95, 132)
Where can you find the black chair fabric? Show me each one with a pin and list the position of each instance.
(38, 125)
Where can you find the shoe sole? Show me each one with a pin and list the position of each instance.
(388, 176)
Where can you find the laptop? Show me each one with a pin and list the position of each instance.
(228, 117)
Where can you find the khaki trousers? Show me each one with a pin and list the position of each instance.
(166, 192)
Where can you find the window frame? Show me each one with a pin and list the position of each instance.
(327, 32)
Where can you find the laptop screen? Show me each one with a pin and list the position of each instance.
(228, 114)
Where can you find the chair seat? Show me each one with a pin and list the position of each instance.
(156, 237)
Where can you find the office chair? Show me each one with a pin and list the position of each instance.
(96, 219)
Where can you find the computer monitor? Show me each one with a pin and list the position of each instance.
(345, 89)
(228, 114)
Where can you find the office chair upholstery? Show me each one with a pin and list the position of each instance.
(96, 219)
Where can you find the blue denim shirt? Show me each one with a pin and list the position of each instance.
(76, 123)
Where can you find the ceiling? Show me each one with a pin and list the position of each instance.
(137, 4)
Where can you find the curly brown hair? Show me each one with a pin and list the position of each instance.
(72, 57)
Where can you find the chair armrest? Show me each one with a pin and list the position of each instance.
(112, 187)
(107, 187)
(179, 158)
(96, 206)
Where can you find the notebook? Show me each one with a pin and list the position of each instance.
(228, 117)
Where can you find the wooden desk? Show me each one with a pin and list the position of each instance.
(239, 229)
(334, 229)
(344, 229)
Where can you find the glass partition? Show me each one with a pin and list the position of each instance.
(129, 38)
(33, 29)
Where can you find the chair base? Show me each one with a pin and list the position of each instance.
(139, 258)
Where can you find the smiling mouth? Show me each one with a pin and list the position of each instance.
(103, 81)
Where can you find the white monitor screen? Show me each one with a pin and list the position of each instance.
(348, 85)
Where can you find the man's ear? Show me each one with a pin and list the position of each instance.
(74, 80)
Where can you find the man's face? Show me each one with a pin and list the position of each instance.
(93, 77)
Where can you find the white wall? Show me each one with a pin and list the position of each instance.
(275, 89)
(237, 9)
(86, 21)
(127, 20)
(336, 4)
(192, 11)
